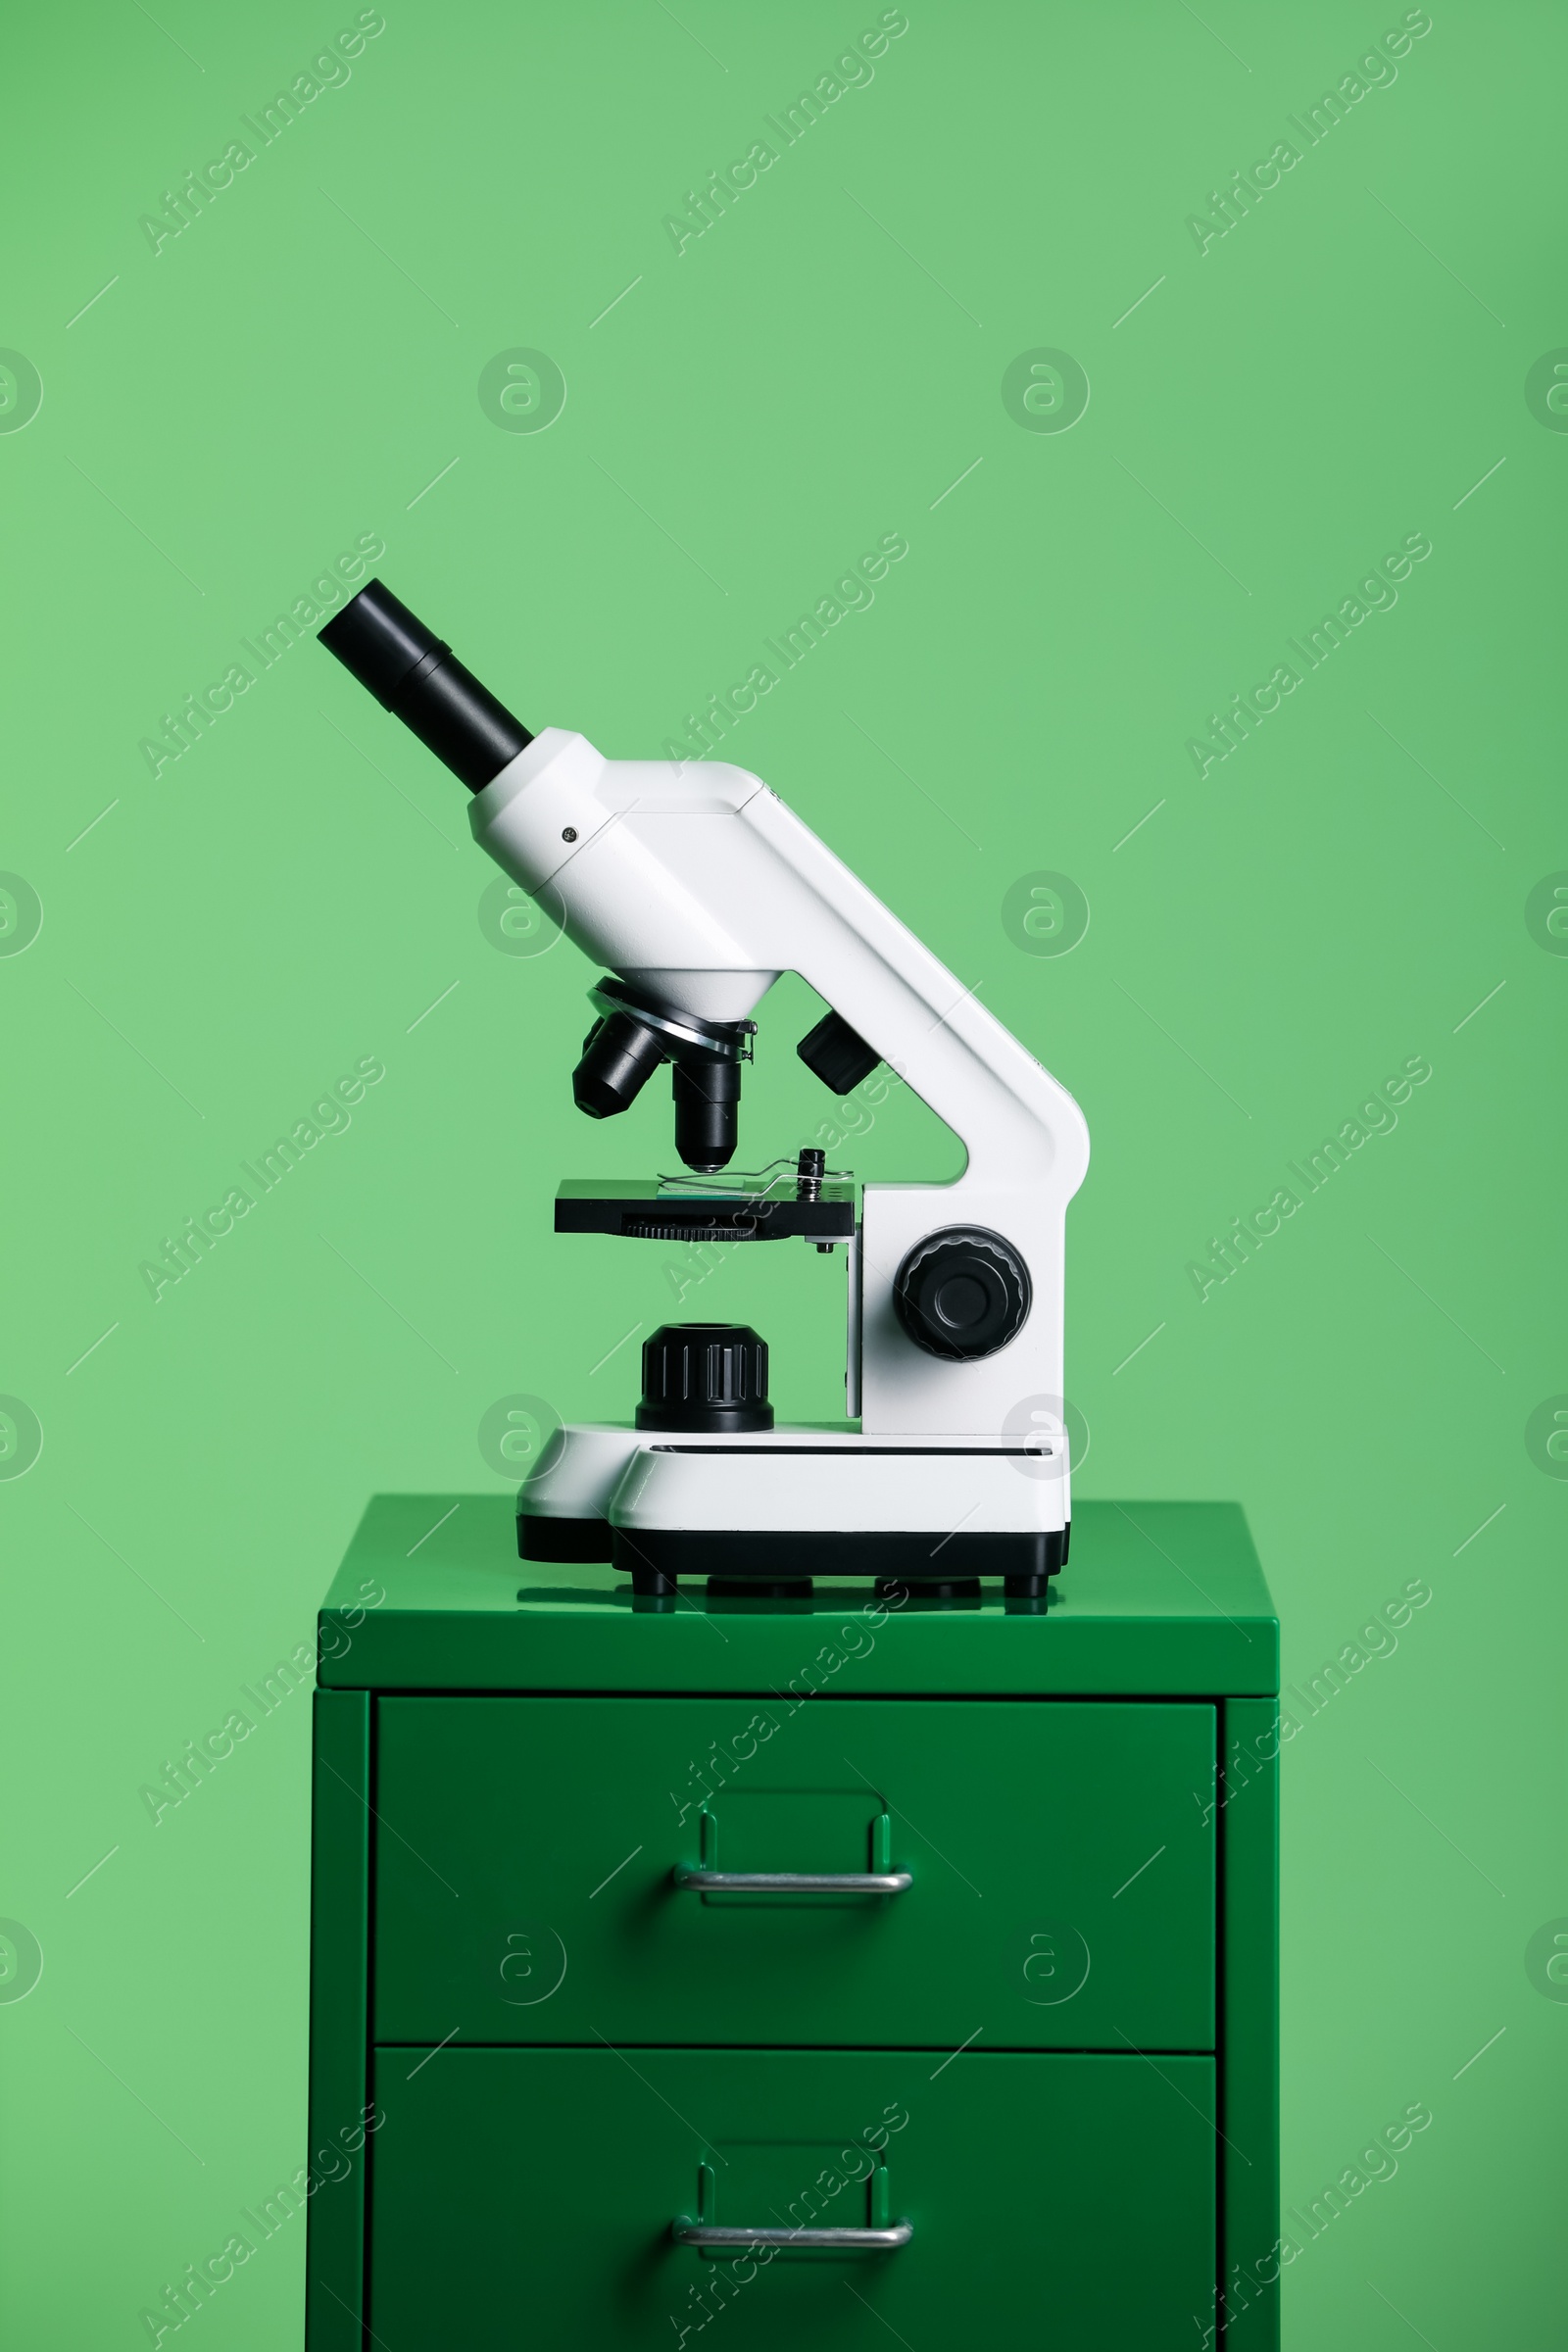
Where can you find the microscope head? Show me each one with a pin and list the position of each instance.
(414, 675)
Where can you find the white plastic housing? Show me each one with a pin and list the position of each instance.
(928, 1492)
(798, 1479)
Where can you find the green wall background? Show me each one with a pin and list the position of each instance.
(298, 371)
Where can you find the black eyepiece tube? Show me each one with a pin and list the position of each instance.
(413, 674)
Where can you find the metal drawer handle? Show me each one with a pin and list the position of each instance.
(796, 1881)
(704, 2234)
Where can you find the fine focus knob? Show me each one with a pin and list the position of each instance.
(961, 1294)
(707, 1377)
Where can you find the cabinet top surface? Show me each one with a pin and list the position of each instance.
(1158, 1599)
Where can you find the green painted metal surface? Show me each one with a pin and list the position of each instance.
(1249, 2101)
(525, 2197)
(341, 2129)
(1085, 1799)
(1160, 1600)
(1061, 1859)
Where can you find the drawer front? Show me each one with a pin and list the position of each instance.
(1062, 1890)
(528, 2196)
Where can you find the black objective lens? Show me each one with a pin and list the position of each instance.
(413, 674)
(619, 1054)
(708, 1095)
(625, 1046)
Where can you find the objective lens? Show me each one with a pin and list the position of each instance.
(707, 1096)
(619, 1056)
(626, 1045)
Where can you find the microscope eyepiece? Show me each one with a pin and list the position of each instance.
(413, 674)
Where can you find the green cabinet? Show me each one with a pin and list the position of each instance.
(1018, 2032)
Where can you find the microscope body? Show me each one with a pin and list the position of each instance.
(695, 887)
(698, 886)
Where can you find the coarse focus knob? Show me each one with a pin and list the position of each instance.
(708, 1377)
(963, 1293)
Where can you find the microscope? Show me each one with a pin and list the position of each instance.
(695, 888)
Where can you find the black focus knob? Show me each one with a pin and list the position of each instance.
(704, 1378)
(963, 1293)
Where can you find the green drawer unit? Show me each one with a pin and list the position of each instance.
(526, 1852)
(1023, 2034)
(528, 2196)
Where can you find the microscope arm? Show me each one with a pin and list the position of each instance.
(698, 886)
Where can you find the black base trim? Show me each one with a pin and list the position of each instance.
(757, 1588)
(949, 1592)
(562, 1540)
(656, 1559)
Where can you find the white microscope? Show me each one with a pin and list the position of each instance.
(696, 887)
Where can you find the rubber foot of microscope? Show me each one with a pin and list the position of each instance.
(1026, 1587)
(652, 1584)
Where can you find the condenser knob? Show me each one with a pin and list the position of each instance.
(963, 1294)
(705, 1379)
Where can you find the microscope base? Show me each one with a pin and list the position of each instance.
(657, 1559)
(800, 1503)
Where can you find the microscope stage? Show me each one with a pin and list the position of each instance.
(651, 1211)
